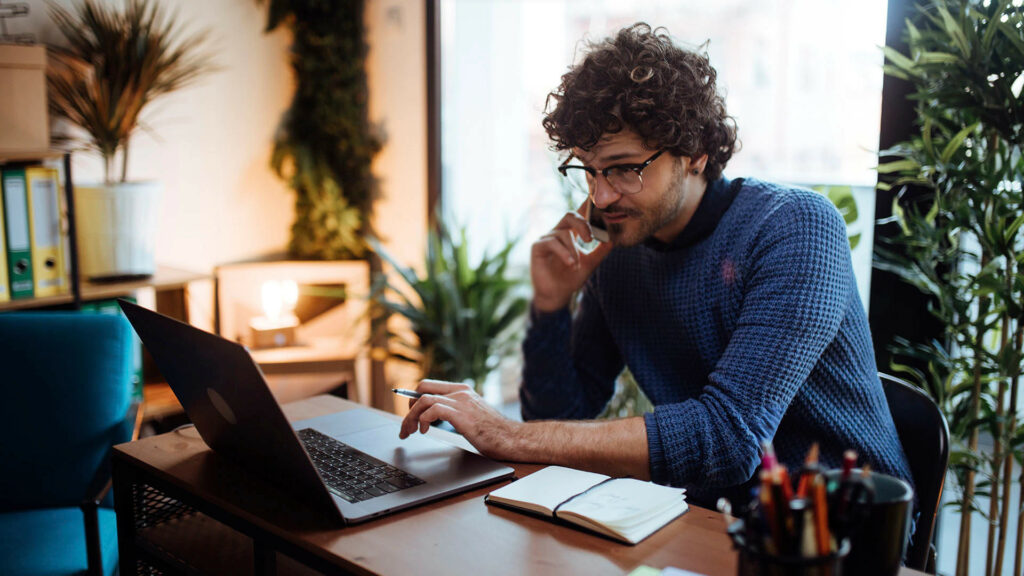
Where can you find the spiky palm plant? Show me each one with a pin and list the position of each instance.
(117, 62)
(464, 316)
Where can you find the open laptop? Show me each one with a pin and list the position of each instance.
(350, 464)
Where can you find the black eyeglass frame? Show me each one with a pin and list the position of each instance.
(637, 168)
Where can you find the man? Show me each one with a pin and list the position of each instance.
(733, 303)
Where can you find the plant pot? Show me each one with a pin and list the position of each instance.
(116, 226)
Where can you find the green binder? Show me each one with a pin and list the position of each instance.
(19, 245)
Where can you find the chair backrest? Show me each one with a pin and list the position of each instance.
(924, 435)
(66, 388)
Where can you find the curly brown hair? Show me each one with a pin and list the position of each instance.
(641, 80)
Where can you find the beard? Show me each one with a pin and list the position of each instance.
(645, 222)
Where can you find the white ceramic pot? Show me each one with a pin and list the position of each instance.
(116, 226)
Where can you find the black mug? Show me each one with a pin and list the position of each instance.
(880, 528)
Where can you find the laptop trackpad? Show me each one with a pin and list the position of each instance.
(377, 436)
(426, 457)
(345, 423)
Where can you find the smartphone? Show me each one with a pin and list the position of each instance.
(597, 227)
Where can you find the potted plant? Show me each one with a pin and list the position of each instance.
(960, 242)
(464, 316)
(115, 63)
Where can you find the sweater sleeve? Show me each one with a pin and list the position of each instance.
(796, 281)
(569, 363)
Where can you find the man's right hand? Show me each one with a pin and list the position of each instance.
(558, 268)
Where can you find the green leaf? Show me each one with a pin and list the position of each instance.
(898, 166)
(1013, 35)
(900, 61)
(896, 72)
(1011, 230)
(1010, 360)
(988, 285)
(926, 137)
(912, 32)
(408, 274)
(938, 58)
(897, 212)
(933, 211)
(954, 144)
(954, 30)
(986, 41)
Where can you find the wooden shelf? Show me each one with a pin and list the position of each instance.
(324, 354)
(7, 156)
(165, 278)
(159, 400)
(32, 303)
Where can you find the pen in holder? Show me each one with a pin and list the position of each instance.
(755, 561)
(812, 524)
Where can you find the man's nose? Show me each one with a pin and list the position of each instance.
(604, 194)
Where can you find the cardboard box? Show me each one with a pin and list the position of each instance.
(24, 122)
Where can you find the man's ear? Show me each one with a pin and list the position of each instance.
(699, 163)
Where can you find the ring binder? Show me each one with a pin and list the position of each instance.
(15, 10)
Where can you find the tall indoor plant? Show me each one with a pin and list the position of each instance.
(464, 316)
(117, 62)
(324, 144)
(960, 242)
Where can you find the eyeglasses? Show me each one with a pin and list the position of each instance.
(624, 178)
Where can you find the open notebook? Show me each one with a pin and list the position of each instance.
(625, 509)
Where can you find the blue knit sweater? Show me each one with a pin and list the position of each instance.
(747, 327)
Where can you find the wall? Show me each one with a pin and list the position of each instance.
(210, 143)
(396, 31)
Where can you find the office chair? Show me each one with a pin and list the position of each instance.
(925, 438)
(67, 380)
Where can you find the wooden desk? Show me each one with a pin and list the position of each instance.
(182, 509)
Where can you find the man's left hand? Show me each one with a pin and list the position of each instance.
(488, 431)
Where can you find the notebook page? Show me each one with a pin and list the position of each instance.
(548, 487)
(644, 529)
(624, 503)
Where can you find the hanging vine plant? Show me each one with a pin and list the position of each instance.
(324, 144)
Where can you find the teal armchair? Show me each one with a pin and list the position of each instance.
(65, 380)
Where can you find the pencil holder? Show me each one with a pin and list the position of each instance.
(755, 562)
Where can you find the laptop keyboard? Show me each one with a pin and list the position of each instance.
(351, 474)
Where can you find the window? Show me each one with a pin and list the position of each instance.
(803, 79)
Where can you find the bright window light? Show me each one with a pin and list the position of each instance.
(805, 92)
